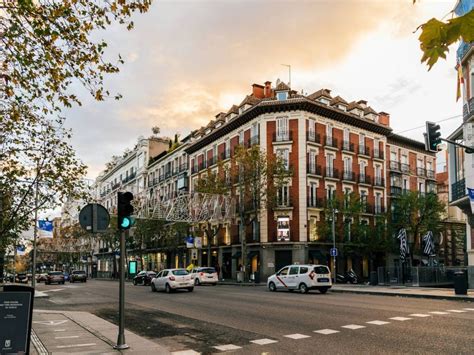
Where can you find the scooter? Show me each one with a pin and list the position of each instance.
(349, 277)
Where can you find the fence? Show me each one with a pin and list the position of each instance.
(436, 276)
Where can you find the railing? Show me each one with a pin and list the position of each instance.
(115, 186)
(405, 168)
(202, 165)
(283, 137)
(313, 169)
(183, 167)
(379, 181)
(430, 174)
(225, 154)
(194, 169)
(348, 146)
(395, 190)
(364, 150)
(313, 137)
(378, 154)
(331, 173)
(282, 203)
(421, 172)
(162, 177)
(315, 202)
(211, 161)
(129, 177)
(379, 209)
(468, 109)
(349, 176)
(330, 141)
(458, 190)
(394, 165)
(367, 208)
(168, 174)
(364, 179)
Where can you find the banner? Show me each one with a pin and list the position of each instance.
(20, 250)
(189, 242)
(198, 242)
(45, 229)
(470, 192)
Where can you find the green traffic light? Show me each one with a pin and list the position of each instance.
(126, 222)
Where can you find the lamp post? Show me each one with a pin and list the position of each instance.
(334, 211)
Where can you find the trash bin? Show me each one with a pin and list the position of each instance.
(240, 276)
(374, 280)
(460, 282)
(256, 277)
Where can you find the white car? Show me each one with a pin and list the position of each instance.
(302, 278)
(204, 275)
(172, 279)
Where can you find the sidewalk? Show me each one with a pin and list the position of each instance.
(63, 332)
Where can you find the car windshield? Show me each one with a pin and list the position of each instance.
(81, 272)
(180, 272)
(208, 270)
(321, 270)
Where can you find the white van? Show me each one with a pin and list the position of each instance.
(302, 278)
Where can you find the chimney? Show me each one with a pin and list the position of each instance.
(362, 103)
(384, 118)
(258, 91)
(267, 91)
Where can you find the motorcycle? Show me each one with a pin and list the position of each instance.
(349, 277)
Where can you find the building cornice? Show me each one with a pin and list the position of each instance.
(408, 143)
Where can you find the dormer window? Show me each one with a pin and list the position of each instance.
(281, 96)
(324, 101)
(218, 125)
(208, 131)
(342, 107)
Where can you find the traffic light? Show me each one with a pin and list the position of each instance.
(433, 136)
(124, 210)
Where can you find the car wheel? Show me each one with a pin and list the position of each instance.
(303, 288)
(134, 282)
(323, 290)
(190, 289)
(167, 288)
(197, 282)
(272, 287)
(153, 288)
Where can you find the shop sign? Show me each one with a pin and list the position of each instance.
(189, 242)
(198, 242)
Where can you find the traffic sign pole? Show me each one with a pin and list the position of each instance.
(121, 345)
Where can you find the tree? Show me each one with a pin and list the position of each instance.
(436, 36)
(417, 213)
(144, 233)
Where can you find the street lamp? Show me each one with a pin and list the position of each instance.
(334, 211)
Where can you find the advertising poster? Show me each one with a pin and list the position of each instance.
(283, 229)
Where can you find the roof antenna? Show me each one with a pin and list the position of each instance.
(289, 73)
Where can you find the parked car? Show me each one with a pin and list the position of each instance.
(42, 277)
(204, 275)
(55, 277)
(302, 278)
(78, 275)
(172, 279)
(144, 278)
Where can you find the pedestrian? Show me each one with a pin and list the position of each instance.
(218, 270)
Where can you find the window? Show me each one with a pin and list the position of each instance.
(342, 107)
(346, 136)
(312, 161)
(378, 174)
(419, 163)
(378, 202)
(282, 96)
(311, 129)
(362, 170)
(312, 194)
(330, 192)
(303, 270)
(393, 156)
(404, 159)
(283, 196)
(284, 154)
(282, 128)
(430, 165)
(347, 167)
(421, 187)
(347, 229)
(294, 270)
(362, 140)
(241, 137)
(284, 271)
(406, 185)
(330, 163)
(329, 134)
(363, 197)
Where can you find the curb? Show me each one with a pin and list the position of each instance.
(248, 284)
(38, 345)
(410, 295)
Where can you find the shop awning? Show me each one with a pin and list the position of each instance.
(251, 254)
(237, 255)
(317, 254)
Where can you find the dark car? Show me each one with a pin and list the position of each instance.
(21, 277)
(41, 277)
(144, 278)
(78, 275)
(55, 277)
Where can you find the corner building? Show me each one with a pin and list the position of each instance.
(333, 148)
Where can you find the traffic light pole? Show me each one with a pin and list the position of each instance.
(121, 345)
(469, 150)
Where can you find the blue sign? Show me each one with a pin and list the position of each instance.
(333, 252)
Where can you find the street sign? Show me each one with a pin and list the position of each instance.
(198, 242)
(94, 218)
(333, 252)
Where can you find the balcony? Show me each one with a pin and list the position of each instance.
(349, 176)
(348, 146)
(421, 172)
(313, 137)
(162, 177)
(379, 181)
(395, 165)
(202, 165)
(458, 190)
(367, 208)
(364, 150)
(405, 168)
(315, 202)
(378, 154)
(364, 179)
(225, 154)
(183, 167)
(430, 174)
(115, 186)
(395, 190)
(313, 169)
(468, 109)
(331, 173)
(330, 141)
(283, 137)
(168, 174)
(211, 161)
(194, 169)
(379, 209)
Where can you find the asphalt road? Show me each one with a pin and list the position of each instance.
(211, 317)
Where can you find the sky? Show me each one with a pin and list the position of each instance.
(186, 61)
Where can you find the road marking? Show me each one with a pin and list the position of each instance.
(378, 322)
(185, 352)
(469, 309)
(438, 312)
(50, 322)
(227, 347)
(353, 326)
(401, 319)
(296, 336)
(67, 337)
(54, 290)
(74, 345)
(264, 341)
(326, 331)
(420, 315)
(456, 311)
